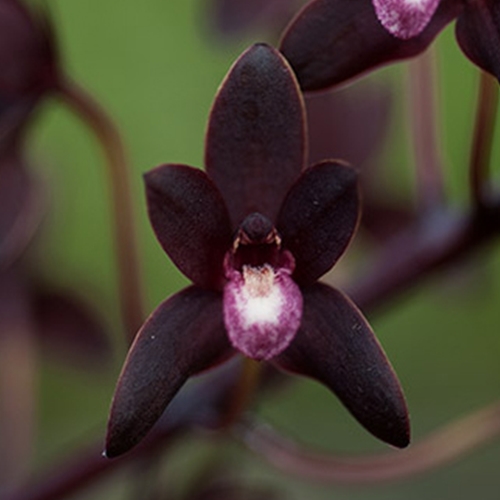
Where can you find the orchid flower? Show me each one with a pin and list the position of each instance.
(332, 41)
(254, 233)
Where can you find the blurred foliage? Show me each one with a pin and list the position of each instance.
(155, 66)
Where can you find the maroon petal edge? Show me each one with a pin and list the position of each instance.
(190, 220)
(478, 34)
(183, 336)
(255, 146)
(319, 217)
(332, 41)
(336, 346)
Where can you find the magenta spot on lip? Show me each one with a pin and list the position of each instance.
(262, 310)
(405, 18)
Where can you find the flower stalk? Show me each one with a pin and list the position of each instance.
(440, 448)
(130, 281)
(482, 144)
(424, 124)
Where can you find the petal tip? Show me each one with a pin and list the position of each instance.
(400, 434)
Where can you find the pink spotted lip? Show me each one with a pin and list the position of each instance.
(405, 18)
(262, 310)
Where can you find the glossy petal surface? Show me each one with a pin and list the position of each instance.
(332, 41)
(183, 336)
(255, 145)
(190, 220)
(336, 346)
(478, 34)
(319, 217)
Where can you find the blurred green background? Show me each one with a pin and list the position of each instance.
(155, 66)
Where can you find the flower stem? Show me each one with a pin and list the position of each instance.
(441, 447)
(243, 392)
(130, 283)
(423, 117)
(480, 157)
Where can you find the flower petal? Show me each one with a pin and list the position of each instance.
(183, 336)
(319, 217)
(478, 34)
(256, 134)
(331, 41)
(190, 220)
(405, 18)
(336, 346)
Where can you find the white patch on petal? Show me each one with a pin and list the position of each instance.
(262, 310)
(260, 301)
(405, 18)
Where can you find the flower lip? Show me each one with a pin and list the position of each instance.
(405, 18)
(262, 303)
(262, 308)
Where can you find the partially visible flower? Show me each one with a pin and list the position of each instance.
(405, 18)
(332, 41)
(254, 236)
(28, 60)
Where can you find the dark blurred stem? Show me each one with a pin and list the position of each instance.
(18, 378)
(243, 393)
(439, 448)
(130, 283)
(480, 158)
(17, 403)
(424, 130)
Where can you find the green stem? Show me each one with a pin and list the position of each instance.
(243, 392)
(423, 119)
(482, 145)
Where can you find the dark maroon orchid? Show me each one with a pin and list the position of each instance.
(254, 234)
(332, 41)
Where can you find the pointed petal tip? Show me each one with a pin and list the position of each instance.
(116, 446)
(396, 433)
(255, 142)
(336, 346)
